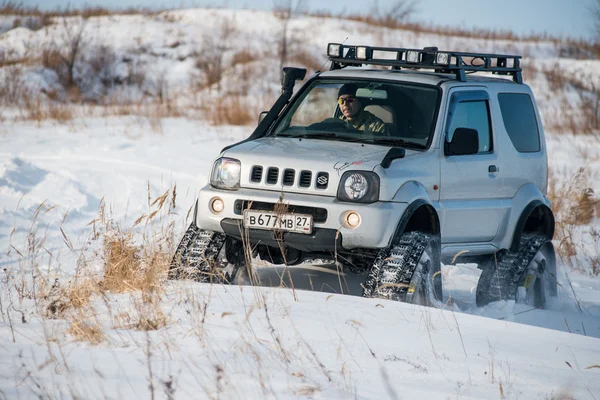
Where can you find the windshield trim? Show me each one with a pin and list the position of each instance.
(299, 96)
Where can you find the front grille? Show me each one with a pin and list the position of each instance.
(305, 178)
(256, 174)
(288, 177)
(319, 214)
(272, 175)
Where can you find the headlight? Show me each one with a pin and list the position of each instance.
(359, 187)
(226, 174)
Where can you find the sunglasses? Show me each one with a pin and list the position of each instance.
(348, 100)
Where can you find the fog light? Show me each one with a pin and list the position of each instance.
(352, 219)
(217, 205)
(412, 56)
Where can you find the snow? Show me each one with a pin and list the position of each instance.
(416, 351)
(240, 341)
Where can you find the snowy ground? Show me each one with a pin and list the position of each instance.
(253, 343)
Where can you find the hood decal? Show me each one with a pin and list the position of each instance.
(342, 165)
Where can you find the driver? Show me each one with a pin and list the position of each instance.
(353, 113)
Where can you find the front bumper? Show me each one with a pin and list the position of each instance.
(378, 220)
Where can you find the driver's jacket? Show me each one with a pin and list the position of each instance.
(366, 121)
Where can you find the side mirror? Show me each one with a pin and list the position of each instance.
(464, 142)
(262, 116)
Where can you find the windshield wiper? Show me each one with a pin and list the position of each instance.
(398, 142)
(321, 135)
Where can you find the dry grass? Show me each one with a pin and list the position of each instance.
(557, 80)
(583, 117)
(121, 263)
(307, 59)
(145, 315)
(18, 8)
(85, 331)
(36, 109)
(576, 206)
(568, 48)
(139, 269)
(233, 110)
(244, 57)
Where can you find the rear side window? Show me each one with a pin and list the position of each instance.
(520, 122)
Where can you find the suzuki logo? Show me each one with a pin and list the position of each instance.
(322, 180)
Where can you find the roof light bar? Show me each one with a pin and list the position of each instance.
(454, 62)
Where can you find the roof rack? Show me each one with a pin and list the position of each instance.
(455, 62)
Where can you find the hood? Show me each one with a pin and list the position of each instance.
(324, 159)
(325, 153)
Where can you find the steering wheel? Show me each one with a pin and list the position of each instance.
(334, 124)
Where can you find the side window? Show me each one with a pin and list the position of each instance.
(474, 115)
(520, 122)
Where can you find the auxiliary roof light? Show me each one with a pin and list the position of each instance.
(333, 49)
(361, 52)
(442, 58)
(412, 56)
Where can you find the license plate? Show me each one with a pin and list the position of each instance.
(301, 223)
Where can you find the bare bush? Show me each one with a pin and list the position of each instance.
(595, 9)
(74, 42)
(530, 69)
(209, 58)
(136, 73)
(63, 58)
(101, 60)
(51, 59)
(33, 22)
(285, 10)
(591, 109)
(556, 79)
(11, 84)
(161, 89)
(399, 13)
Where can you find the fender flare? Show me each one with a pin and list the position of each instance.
(408, 214)
(525, 214)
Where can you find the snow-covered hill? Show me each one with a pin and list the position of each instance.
(60, 180)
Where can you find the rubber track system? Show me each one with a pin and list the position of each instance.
(196, 256)
(393, 268)
(499, 280)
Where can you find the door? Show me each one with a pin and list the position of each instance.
(471, 185)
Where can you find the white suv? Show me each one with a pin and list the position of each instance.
(459, 172)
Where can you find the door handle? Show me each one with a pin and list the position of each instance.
(493, 168)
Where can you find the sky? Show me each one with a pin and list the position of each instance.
(560, 18)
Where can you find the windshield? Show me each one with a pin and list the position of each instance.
(393, 114)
